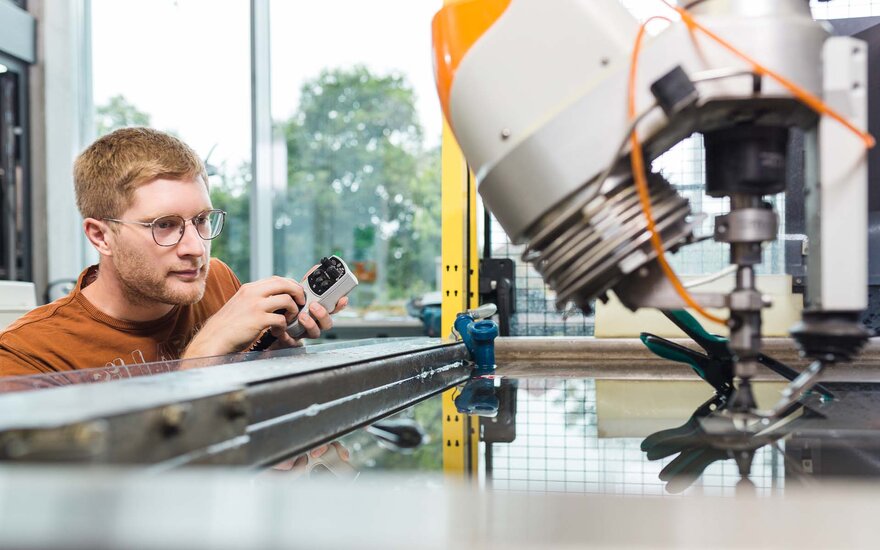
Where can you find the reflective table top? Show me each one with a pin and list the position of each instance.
(641, 429)
(567, 454)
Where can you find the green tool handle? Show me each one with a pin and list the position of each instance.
(688, 320)
(672, 354)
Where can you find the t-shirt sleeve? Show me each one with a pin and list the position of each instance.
(16, 362)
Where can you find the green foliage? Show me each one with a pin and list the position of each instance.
(228, 188)
(118, 113)
(229, 192)
(360, 182)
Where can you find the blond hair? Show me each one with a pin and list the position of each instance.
(108, 172)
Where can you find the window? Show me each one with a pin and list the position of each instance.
(15, 192)
(183, 68)
(355, 109)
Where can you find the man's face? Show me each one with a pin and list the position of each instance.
(151, 273)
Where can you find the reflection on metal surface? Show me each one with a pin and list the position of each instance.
(561, 445)
(478, 398)
(400, 435)
(841, 435)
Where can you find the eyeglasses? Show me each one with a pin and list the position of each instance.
(168, 230)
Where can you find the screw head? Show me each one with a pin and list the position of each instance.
(172, 418)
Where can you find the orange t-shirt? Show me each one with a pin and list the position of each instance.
(71, 333)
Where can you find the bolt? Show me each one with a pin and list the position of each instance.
(235, 406)
(505, 133)
(173, 417)
(85, 434)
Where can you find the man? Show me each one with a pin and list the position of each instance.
(155, 294)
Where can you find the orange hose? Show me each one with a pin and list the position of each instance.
(805, 97)
(638, 169)
(638, 161)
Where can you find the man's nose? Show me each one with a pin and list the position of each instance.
(191, 244)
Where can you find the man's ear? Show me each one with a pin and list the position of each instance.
(100, 235)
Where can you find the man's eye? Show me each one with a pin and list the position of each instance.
(200, 220)
(167, 224)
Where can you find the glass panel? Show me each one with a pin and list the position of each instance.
(112, 373)
(356, 115)
(196, 86)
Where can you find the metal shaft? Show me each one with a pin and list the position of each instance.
(749, 223)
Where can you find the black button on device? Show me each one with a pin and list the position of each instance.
(326, 275)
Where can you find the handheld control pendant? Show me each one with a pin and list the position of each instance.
(326, 285)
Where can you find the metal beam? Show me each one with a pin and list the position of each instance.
(250, 410)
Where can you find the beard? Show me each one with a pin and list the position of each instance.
(145, 283)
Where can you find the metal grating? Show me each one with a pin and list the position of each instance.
(536, 313)
(558, 449)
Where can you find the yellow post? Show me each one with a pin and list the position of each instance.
(458, 286)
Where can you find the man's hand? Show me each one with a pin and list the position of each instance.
(300, 463)
(313, 324)
(270, 303)
(318, 321)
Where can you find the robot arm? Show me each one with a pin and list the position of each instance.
(536, 93)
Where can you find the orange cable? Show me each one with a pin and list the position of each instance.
(638, 169)
(637, 159)
(804, 96)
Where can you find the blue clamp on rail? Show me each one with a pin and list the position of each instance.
(479, 336)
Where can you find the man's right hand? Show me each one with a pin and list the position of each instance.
(247, 314)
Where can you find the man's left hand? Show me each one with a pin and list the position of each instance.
(314, 321)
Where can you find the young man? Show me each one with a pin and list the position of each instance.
(156, 293)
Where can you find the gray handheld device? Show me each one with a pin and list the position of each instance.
(325, 284)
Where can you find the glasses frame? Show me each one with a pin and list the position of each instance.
(192, 220)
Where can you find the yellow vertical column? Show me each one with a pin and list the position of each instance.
(458, 286)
